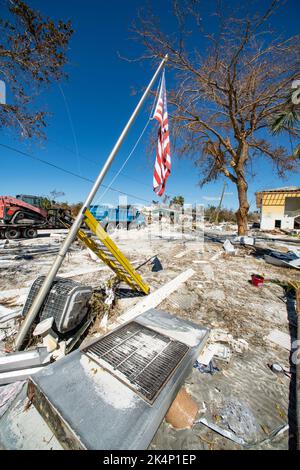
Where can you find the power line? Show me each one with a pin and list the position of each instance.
(124, 163)
(71, 125)
(94, 162)
(70, 172)
(115, 173)
(131, 151)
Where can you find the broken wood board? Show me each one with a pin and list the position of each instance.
(280, 339)
(155, 298)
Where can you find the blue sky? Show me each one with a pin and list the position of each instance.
(99, 98)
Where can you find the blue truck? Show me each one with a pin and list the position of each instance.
(126, 217)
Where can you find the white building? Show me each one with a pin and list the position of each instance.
(279, 208)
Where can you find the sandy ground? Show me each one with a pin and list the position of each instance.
(244, 396)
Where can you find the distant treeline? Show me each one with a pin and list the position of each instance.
(212, 213)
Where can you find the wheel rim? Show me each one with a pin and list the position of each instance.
(30, 232)
(12, 233)
(110, 228)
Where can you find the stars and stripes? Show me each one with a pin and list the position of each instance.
(162, 167)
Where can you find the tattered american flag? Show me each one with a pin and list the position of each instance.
(162, 167)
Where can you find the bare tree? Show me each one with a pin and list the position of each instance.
(32, 55)
(226, 94)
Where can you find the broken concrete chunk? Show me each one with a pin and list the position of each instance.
(238, 417)
(183, 411)
(50, 341)
(60, 351)
(239, 345)
(44, 326)
(220, 335)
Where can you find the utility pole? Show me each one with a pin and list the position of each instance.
(220, 203)
(46, 286)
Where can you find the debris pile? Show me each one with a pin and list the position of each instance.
(237, 392)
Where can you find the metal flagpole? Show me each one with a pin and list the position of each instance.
(37, 303)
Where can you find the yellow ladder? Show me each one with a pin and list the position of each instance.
(110, 254)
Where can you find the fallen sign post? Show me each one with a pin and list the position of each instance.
(38, 301)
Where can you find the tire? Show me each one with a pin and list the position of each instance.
(110, 228)
(30, 232)
(12, 233)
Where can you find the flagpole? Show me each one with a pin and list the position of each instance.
(39, 299)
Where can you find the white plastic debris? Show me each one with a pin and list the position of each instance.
(228, 247)
(104, 321)
(244, 240)
(206, 355)
(110, 296)
(222, 352)
(214, 350)
(44, 326)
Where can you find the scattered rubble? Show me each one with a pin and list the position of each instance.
(237, 389)
(291, 259)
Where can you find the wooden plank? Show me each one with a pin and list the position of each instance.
(155, 298)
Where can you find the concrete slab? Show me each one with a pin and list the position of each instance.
(88, 408)
(22, 428)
